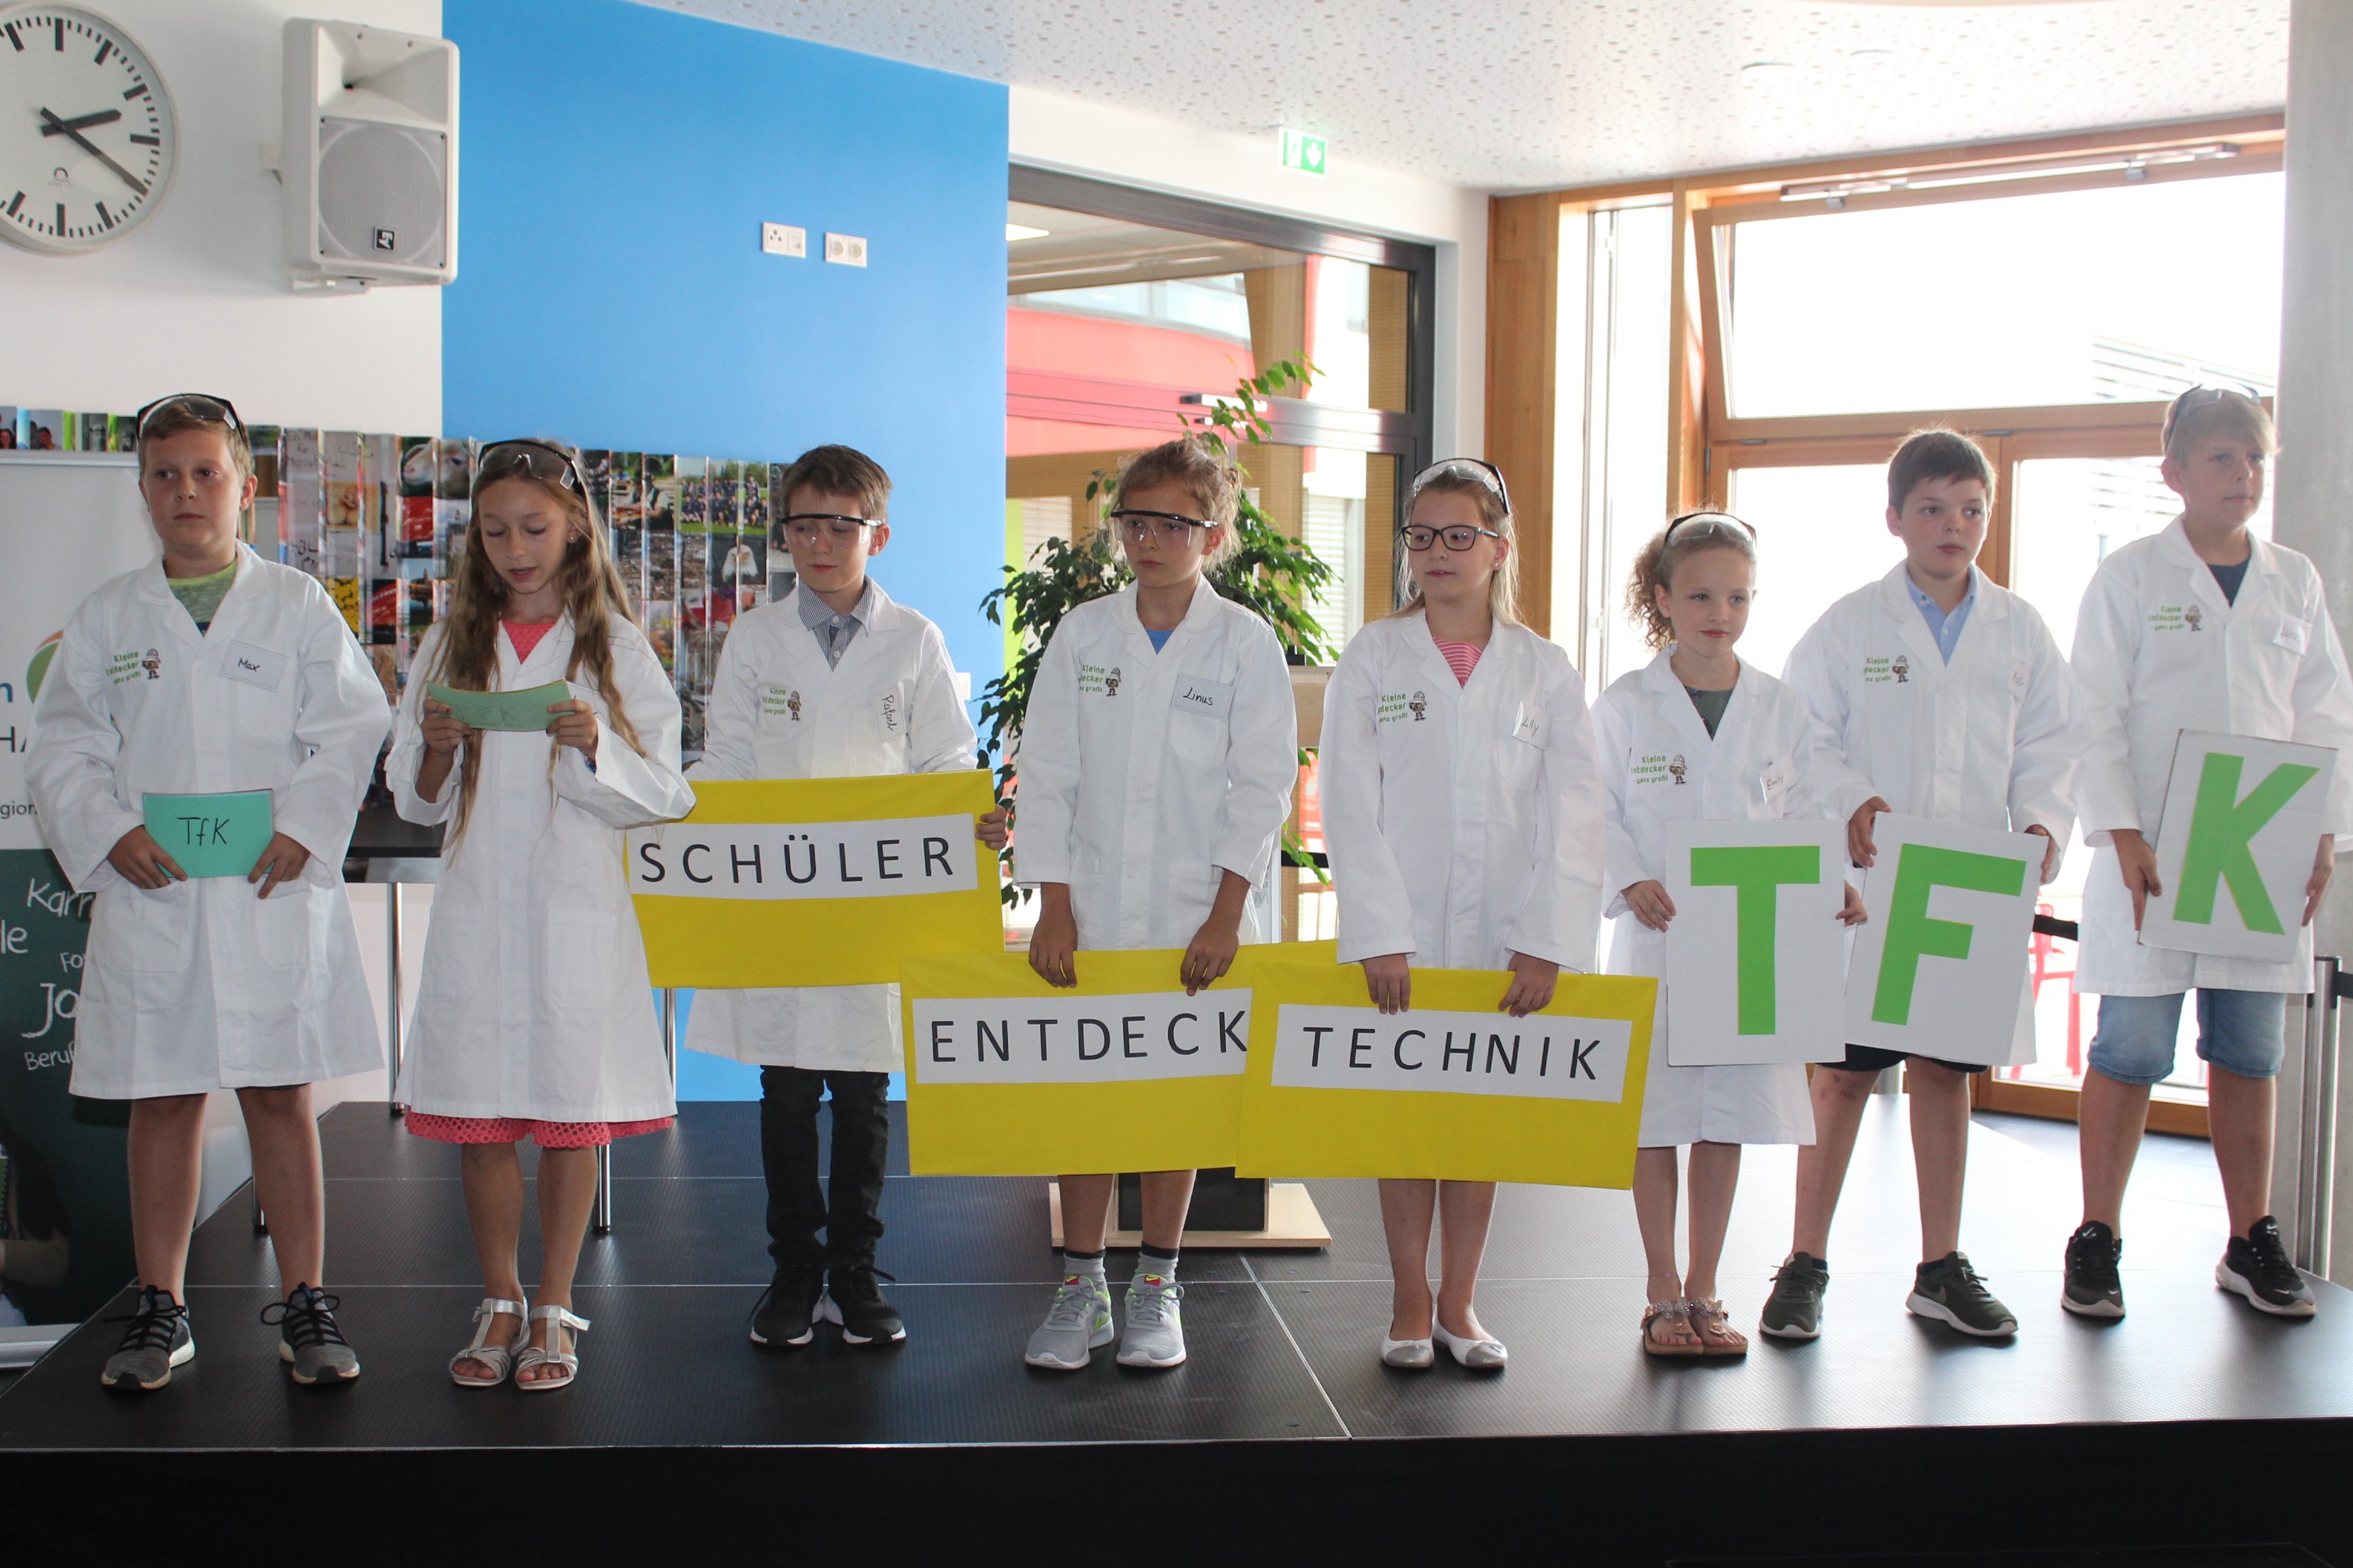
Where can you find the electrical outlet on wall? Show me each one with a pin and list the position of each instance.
(848, 249)
(784, 240)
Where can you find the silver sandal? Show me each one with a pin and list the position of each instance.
(498, 1358)
(558, 1319)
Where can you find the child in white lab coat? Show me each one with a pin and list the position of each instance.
(834, 682)
(1977, 726)
(534, 1016)
(2204, 626)
(1698, 735)
(1462, 812)
(213, 671)
(1145, 824)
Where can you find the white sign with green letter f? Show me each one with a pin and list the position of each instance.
(2235, 845)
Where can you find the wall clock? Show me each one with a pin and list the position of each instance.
(88, 143)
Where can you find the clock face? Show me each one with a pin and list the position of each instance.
(87, 139)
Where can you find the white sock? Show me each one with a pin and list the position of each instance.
(1164, 1268)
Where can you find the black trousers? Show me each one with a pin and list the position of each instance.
(797, 1206)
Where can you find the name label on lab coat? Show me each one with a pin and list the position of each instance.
(889, 858)
(253, 666)
(1210, 698)
(1538, 1057)
(1080, 1039)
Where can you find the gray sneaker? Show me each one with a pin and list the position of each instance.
(1077, 1323)
(1794, 1309)
(1153, 1336)
(1950, 1291)
(157, 1341)
(309, 1342)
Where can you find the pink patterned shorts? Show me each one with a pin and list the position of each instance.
(514, 1129)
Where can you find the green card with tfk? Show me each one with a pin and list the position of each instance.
(502, 710)
(212, 835)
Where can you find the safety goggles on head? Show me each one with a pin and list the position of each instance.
(527, 456)
(2198, 398)
(1710, 520)
(1477, 470)
(202, 405)
(809, 527)
(1140, 527)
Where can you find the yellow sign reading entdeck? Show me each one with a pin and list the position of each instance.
(1007, 1076)
(1454, 1088)
(816, 881)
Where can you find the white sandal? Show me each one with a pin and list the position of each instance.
(558, 1319)
(498, 1358)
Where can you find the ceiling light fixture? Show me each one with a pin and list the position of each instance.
(1766, 70)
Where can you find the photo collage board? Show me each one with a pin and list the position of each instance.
(380, 520)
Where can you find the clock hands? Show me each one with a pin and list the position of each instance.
(53, 126)
(81, 122)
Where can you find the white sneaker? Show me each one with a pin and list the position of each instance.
(1155, 1338)
(1079, 1322)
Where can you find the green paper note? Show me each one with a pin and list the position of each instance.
(212, 835)
(503, 710)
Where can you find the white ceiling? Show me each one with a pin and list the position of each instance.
(1520, 94)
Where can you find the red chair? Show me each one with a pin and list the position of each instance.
(2044, 948)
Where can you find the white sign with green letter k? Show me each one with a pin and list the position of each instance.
(2235, 845)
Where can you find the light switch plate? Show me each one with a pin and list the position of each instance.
(848, 249)
(784, 240)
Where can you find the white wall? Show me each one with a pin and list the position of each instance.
(197, 300)
(1051, 132)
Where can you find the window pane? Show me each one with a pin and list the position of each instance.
(1821, 534)
(2063, 298)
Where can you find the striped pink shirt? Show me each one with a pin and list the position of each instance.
(1461, 658)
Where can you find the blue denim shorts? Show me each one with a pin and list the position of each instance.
(2243, 1032)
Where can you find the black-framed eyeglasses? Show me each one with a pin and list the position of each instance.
(204, 405)
(1478, 470)
(528, 455)
(1459, 538)
(1711, 519)
(2201, 396)
(1157, 527)
(809, 527)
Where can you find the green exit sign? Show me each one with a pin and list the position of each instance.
(1303, 152)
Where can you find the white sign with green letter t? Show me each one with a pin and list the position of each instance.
(1755, 950)
(2235, 845)
(1939, 970)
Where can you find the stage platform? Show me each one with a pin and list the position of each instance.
(2192, 1421)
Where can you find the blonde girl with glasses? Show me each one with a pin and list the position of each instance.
(1154, 774)
(1462, 812)
(534, 1016)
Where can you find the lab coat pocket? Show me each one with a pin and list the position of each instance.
(134, 932)
(457, 952)
(577, 960)
(1197, 737)
(290, 929)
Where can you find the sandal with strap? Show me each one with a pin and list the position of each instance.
(557, 1320)
(498, 1358)
(1680, 1340)
(1714, 1326)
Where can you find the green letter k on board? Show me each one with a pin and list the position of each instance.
(1913, 934)
(2220, 830)
(1757, 874)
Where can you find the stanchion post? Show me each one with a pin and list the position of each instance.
(2325, 1154)
(392, 990)
(670, 1034)
(600, 1218)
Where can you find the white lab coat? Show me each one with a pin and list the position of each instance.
(1143, 777)
(1989, 740)
(1463, 820)
(2150, 666)
(1768, 760)
(202, 985)
(534, 1000)
(778, 711)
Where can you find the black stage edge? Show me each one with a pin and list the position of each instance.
(2194, 1422)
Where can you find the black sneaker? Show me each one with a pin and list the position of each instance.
(2257, 1267)
(1950, 1291)
(854, 1300)
(1794, 1309)
(309, 1342)
(788, 1306)
(157, 1341)
(2093, 1288)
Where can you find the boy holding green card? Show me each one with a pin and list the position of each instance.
(221, 698)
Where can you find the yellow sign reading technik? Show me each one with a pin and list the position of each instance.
(1007, 1076)
(1453, 1088)
(816, 881)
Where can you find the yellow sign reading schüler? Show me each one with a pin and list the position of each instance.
(1007, 1076)
(816, 881)
(1453, 1088)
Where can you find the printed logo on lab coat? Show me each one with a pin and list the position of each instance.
(781, 700)
(2175, 618)
(1652, 768)
(1098, 680)
(122, 667)
(1398, 705)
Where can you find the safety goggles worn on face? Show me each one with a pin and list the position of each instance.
(1704, 521)
(1159, 527)
(807, 527)
(202, 404)
(527, 454)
